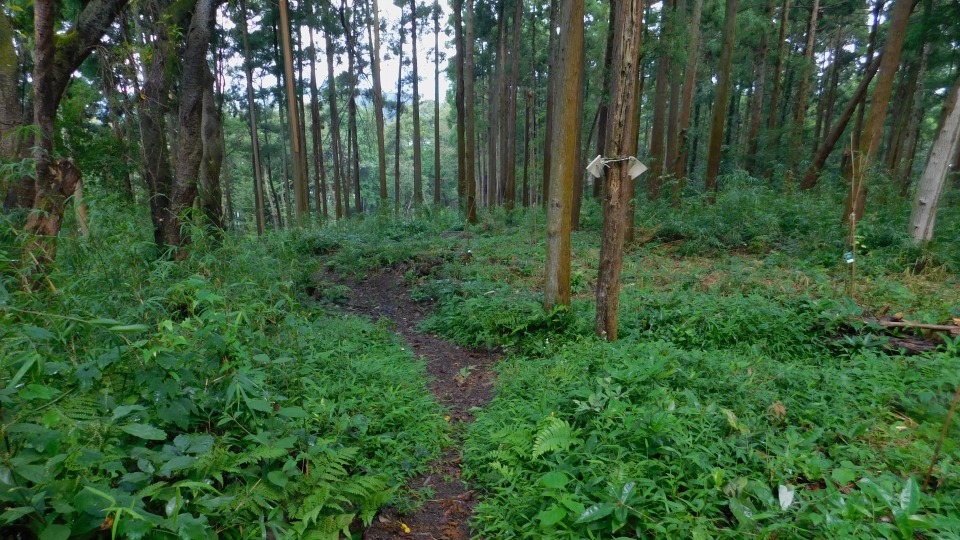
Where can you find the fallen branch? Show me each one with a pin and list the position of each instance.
(953, 329)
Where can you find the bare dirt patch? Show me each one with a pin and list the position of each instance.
(461, 378)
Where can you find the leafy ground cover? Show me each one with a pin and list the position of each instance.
(199, 399)
(744, 398)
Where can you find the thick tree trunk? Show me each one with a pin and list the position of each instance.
(810, 177)
(756, 106)
(417, 141)
(930, 188)
(55, 59)
(673, 117)
(873, 128)
(338, 178)
(211, 194)
(778, 70)
(871, 49)
(194, 74)
(603, 110)
(722, 91)
(378, 105)
(568, 68)
(689, 90)
(353, 150)
(10, 116)
(510, 158)
(661, 89)
(316, 129)
(436, 103)
(470, 124)
(461, 109)
(254, 132)
(551, 90)
(528, 111)
(904, 167)
(800, 105)
(396, 153)
(623, 142)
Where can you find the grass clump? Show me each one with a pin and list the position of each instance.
(200, 399)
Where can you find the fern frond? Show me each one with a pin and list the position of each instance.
(556, 434)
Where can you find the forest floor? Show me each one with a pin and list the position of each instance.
(461, 379)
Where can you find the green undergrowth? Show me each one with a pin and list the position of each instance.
(746, 397)
(199, 399)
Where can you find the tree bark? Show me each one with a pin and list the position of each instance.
(722, 92)
(396, 154)
(873, 128)
(871, 49)
(686, 107)
(436, 102)
(378, 105)
(551, 90)
(622, 142)
(510, 158)
(194, 75)
(661, 89)
(930, 188)
(211, 194)
(316, 128)
(778, 70)
(301, 193)
(417, 142)
(461, 109)
(569, 69)
(800, 105)
(353, 150)
(603, 110)
(254, 132)
(904, 167)
(810, 177)
(753, 135)
(470, 124)
(339, 195)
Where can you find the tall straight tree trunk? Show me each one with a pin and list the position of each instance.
(930, 188)
(502, 105)
(301, 193)
(603, 110)
(624, 123)
(396, 154)
(662, 87)
(568, 68)
(493, 140)
(778, 70)
(510, 158)
(873, 128)
(470, 124)
(551, 90)
(461, 109)
(580, 167)
(831, 99)
(800, 105)
(756, 107)
(871, 49)
(353, 154)
(686, 107)
(334, 130)
(673, 117)
(904, 168)
(715, 147)
(254, 131)
(211, 163)
(378, 104)
(810, 177)
(436, 102)
(528, 111)
(316, 127)
(417, 141)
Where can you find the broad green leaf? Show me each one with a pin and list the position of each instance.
(910, 497)
(176, 464)
(278, 478)
(555, 480)
(55, 532)
(551, 516)
(144, 431)
(627, 491)
(105, 322)
(743, 514)
(257, 404)
(293, 412)
(595, 512)
(14, 514)
(124, 410)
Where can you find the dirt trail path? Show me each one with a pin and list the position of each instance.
(446, 514)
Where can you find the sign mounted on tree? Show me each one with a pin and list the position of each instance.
(599, 163)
